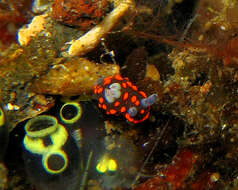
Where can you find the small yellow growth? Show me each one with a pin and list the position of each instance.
(93, 37)
(16, 54)
(11, 106)
(152, 72)
(109, 127)
(215, 177)
(37, 25)
(106, 164)
(2, 118)
(204, 89)
(101, 167)
(112, 165)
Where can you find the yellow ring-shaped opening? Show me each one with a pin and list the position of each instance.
(46, 159)
(36, 145)
(41, 126)
(75, 118)
(2, 117)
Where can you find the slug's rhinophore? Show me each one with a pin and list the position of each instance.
(51, 155)
(117, 95)
(3, 134)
